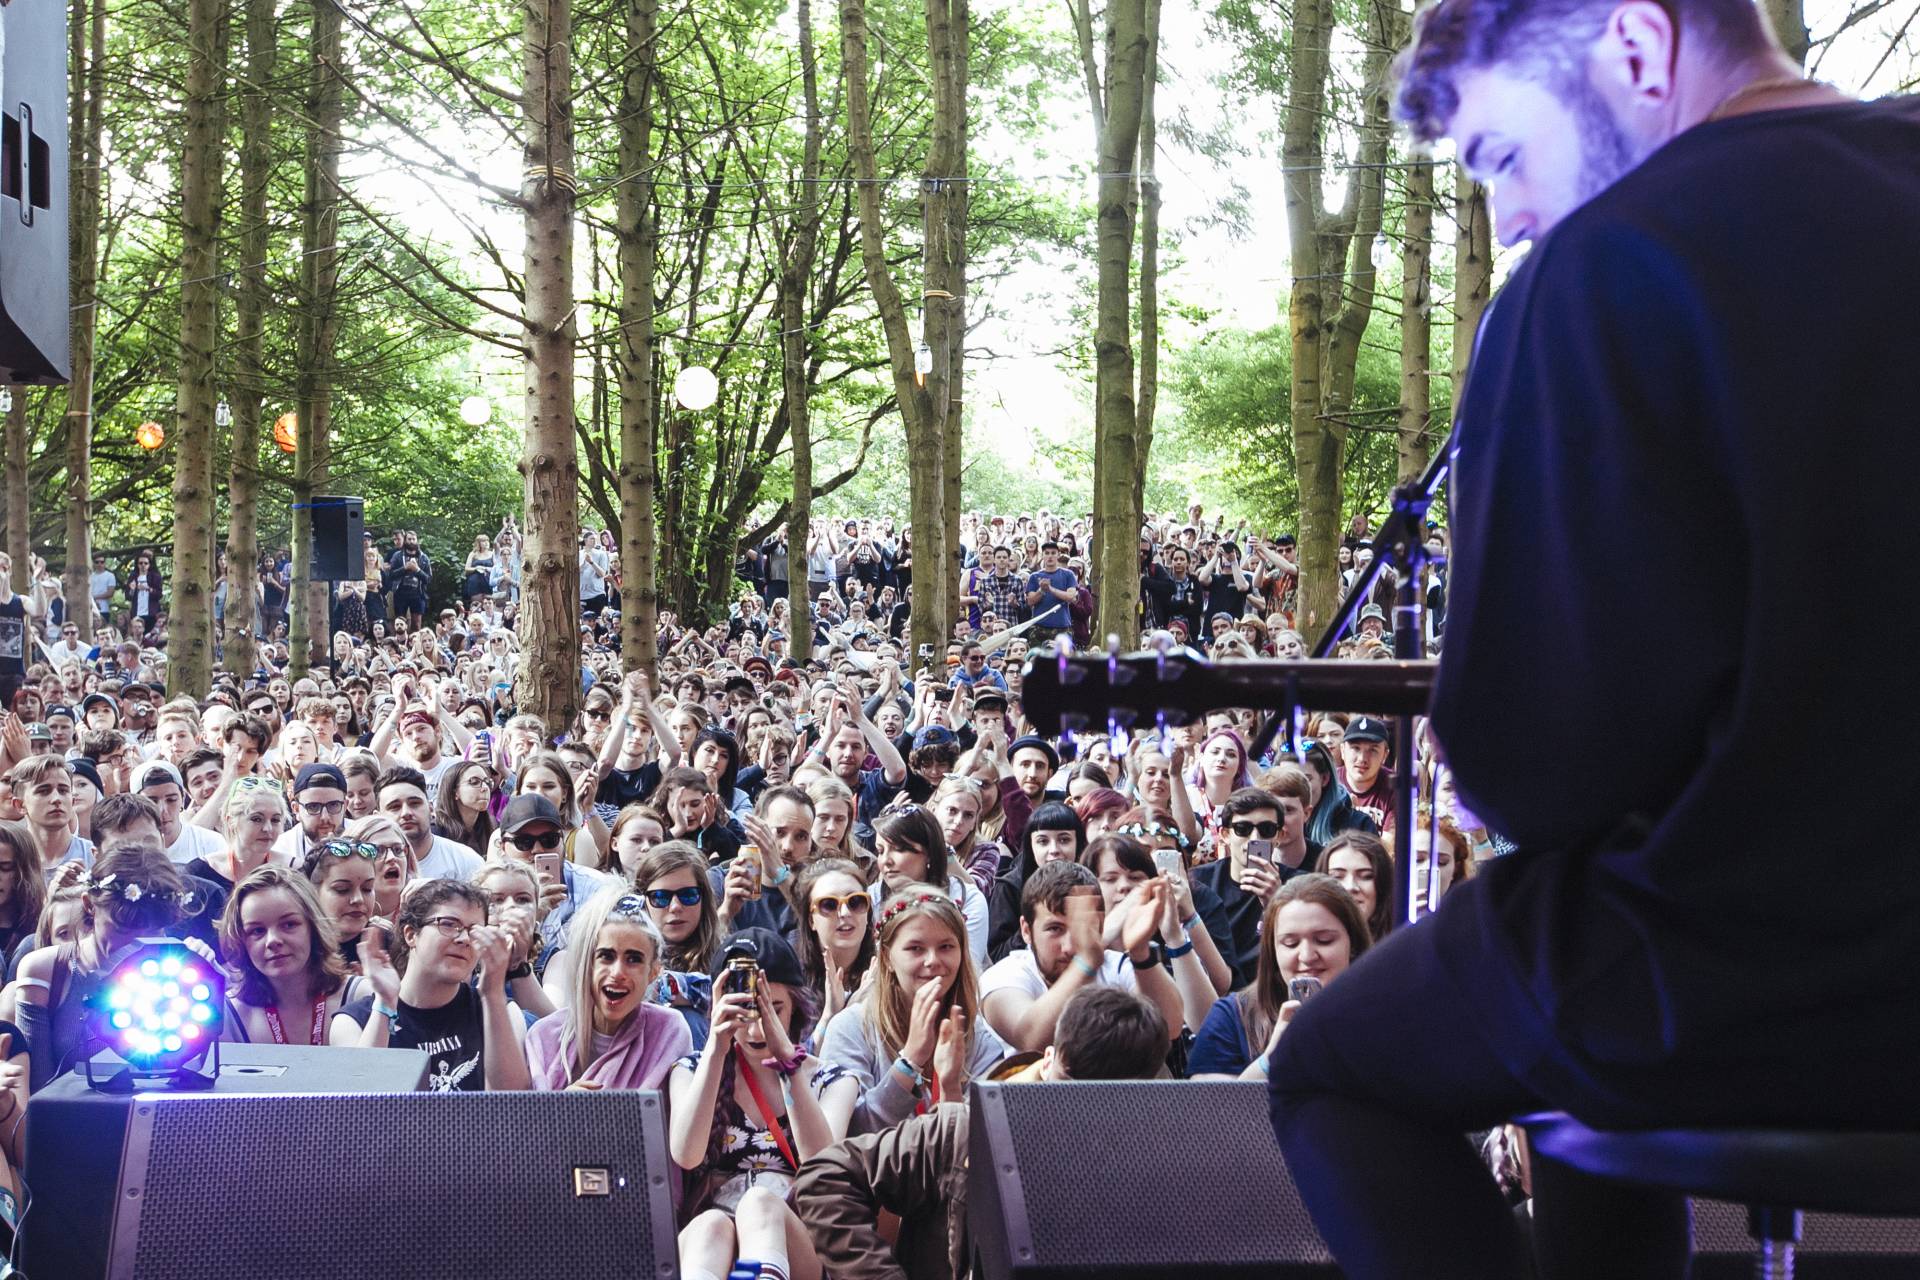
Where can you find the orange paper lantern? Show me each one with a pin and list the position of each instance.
(149, 435)
(283, 429)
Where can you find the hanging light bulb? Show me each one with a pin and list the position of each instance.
(223, 414)
(149, 436)
(6, 399)
(1382, 247)
(284, 427)
(922, 363)
(696, 388)
(475, 410)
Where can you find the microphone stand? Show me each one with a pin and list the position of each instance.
(1402, 542)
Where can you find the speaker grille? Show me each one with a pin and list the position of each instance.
(418, 1186)
(1180, 1175)
(1722, 1228)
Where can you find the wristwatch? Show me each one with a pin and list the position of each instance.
(522, 970)
(1152, 960)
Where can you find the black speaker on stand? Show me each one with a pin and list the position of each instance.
(33, 194)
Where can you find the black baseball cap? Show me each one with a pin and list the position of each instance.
(1366, 729)
(522, 810)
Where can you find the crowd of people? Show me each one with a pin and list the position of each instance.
(809, 895)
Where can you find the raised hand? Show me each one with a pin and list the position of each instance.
(731, 1013)
(496, 956)
(923, 1026)
(1144, 909)
(950, 1057)
(377, 965)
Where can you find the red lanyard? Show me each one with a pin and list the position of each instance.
(766, 1112)
(319, 1023)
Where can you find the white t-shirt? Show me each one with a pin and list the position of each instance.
(292, 845)
(450, 860)
(1019, 972)
(593, 573)
(434, 775)
(101, 585)
(194, 842)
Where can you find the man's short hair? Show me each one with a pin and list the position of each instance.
(400, 775)
(1290, 781)
(1050, 885)
(119, 812)
(1106, 1033)
(100, 744)
(1245, 801)
(199, 757)
(252, 726)
(34, 770)
(1546, 40)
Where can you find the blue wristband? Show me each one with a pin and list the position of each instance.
(1080, 963)
(1174, 953)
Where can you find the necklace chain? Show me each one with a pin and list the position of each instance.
(1755, 87)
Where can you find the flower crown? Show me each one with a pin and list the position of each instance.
(129, 890)
(909, 901)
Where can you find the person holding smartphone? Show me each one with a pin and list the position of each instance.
(1246, 879)
(1313, 930)
(748, 1110)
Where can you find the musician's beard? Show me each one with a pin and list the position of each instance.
(1606, 151)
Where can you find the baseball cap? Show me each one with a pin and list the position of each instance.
(769, 950)
(319, 774)
(58, 709)
(522, 810)
(38, 732)
(933, 736)
(156, 771)
(1366, 729)
(989, 700)
(85, 768)
(1373, 611)
(93, 699)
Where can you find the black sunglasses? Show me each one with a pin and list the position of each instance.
(548, 842)
(1265, 830)
(662, 898)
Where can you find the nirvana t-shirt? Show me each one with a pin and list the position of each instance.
(453, 1037)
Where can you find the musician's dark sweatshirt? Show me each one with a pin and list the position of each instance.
(1685, 487)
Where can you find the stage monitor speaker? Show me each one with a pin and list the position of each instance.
(76, 1137)
(337, 553)
(33, 194)
(420, 1186)
(1206, 1192)
(1833, 1246)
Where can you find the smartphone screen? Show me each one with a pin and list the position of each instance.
(1303, 989)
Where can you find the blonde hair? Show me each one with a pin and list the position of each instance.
(891, 1009)
(616, 902)
(956, 784)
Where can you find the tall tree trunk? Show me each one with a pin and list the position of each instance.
(637, 232)
(945, 317)
(1148, 398)
(250, 307)
(1472, 273)
(1115, 424)
(190, 648)
(319, 326)
(1416, 321)
(549, 465)
(19, 510)
(796, 272)
(1331, 301)
(86, 184)
(1788, 18)
(921, 405)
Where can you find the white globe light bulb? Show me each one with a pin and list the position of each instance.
(475, 410)
(696, 388)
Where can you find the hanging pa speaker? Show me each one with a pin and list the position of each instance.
(34, 317)
(337, 553)
(1215, 1200)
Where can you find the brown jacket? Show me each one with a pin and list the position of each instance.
(918, 1170)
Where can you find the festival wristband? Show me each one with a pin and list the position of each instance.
(907, 1069)
(1185, 948)
(1191, 922)
(1080, 963)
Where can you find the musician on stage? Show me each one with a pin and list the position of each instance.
(1705, 363)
